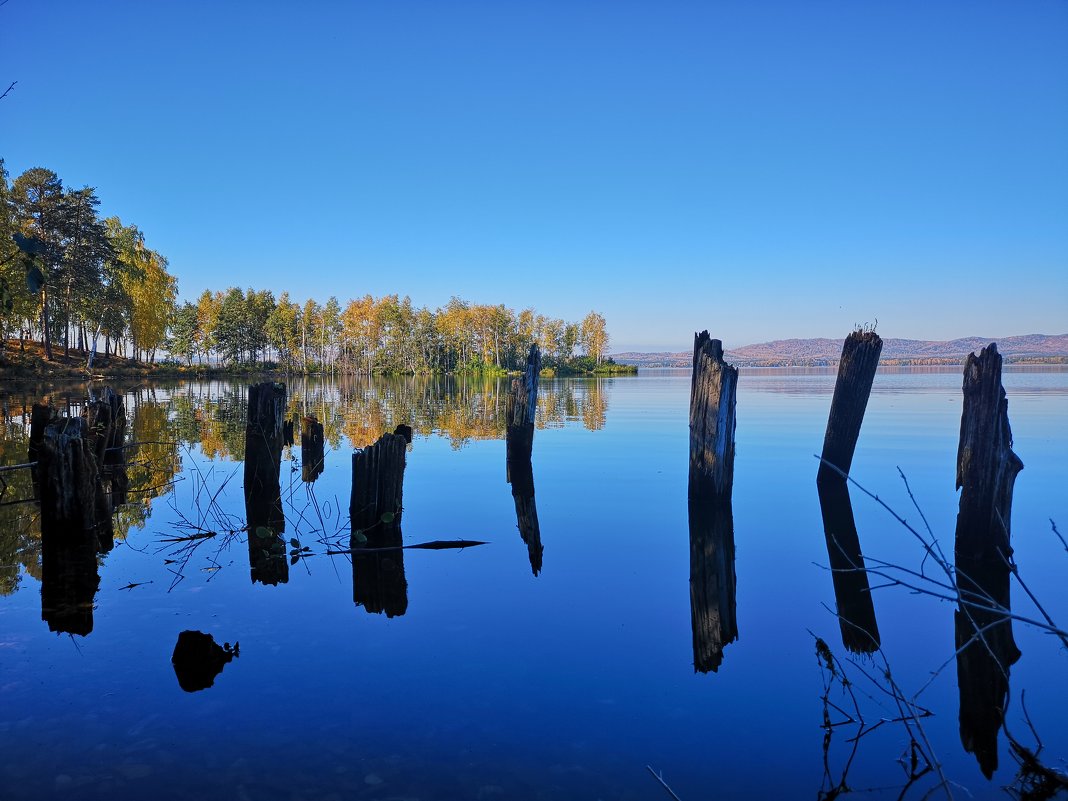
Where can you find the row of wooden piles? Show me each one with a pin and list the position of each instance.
(986, 473)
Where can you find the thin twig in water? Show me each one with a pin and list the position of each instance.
(663, 783)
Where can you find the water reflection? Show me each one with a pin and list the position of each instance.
(375, 511)
(856, 610)
(713, 589)
(985, 650)
(198, 660)
(263, 490)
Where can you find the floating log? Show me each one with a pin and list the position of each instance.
(986, 473)
(519, 445)
(713, 396)
(312, 449)
(852, 594)
(198, 659)
(856, 373)
(713, 585)
(263, 491)
(375, 507)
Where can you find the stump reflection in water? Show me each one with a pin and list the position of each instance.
(856, 610)
(375, 509)
(713, 588)
(263, 491)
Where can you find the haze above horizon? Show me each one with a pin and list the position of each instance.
(765, 172)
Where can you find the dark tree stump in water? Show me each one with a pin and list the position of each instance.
(986, 473)
(378, 483)
(375, 507)
(312, 449)
(41, 414)
(713, 396)
(856, 374)
(263, 492)
(68, 475)
(856, 610)
(520, 413)
(713, 586)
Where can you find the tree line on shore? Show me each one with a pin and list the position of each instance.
(73, 280)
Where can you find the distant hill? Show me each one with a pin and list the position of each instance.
(1027, 349)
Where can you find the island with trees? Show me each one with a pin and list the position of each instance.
(81, 294)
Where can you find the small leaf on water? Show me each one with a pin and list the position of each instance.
(293, 560)
(306, 549)
(359, 536)
(294, 543)
(263, 532)
(387, 517)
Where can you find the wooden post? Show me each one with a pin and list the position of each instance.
(986, 473)
(713, 586)
(41, 414)
(986, 465)
(520, 413)
(68, 476)
(713, 395)
(852, 595)
(856, 373)
(68, 490)
(375, 507)
(263, 492)
(378, 484)
(312, 449)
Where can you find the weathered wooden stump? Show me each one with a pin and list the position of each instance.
(375, 507)
(68, 475)
(41, 415)
(376, 499)
(287, 432)
(713, 397)
(263, 492)
(852, 594)
(520, 413)
(856, 374)
(312, 449)
(986, 473)
(713, 586)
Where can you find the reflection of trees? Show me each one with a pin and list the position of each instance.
(357, 410)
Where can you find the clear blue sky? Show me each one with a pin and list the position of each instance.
(760, 169)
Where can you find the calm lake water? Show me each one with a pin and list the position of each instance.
(482, 680)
